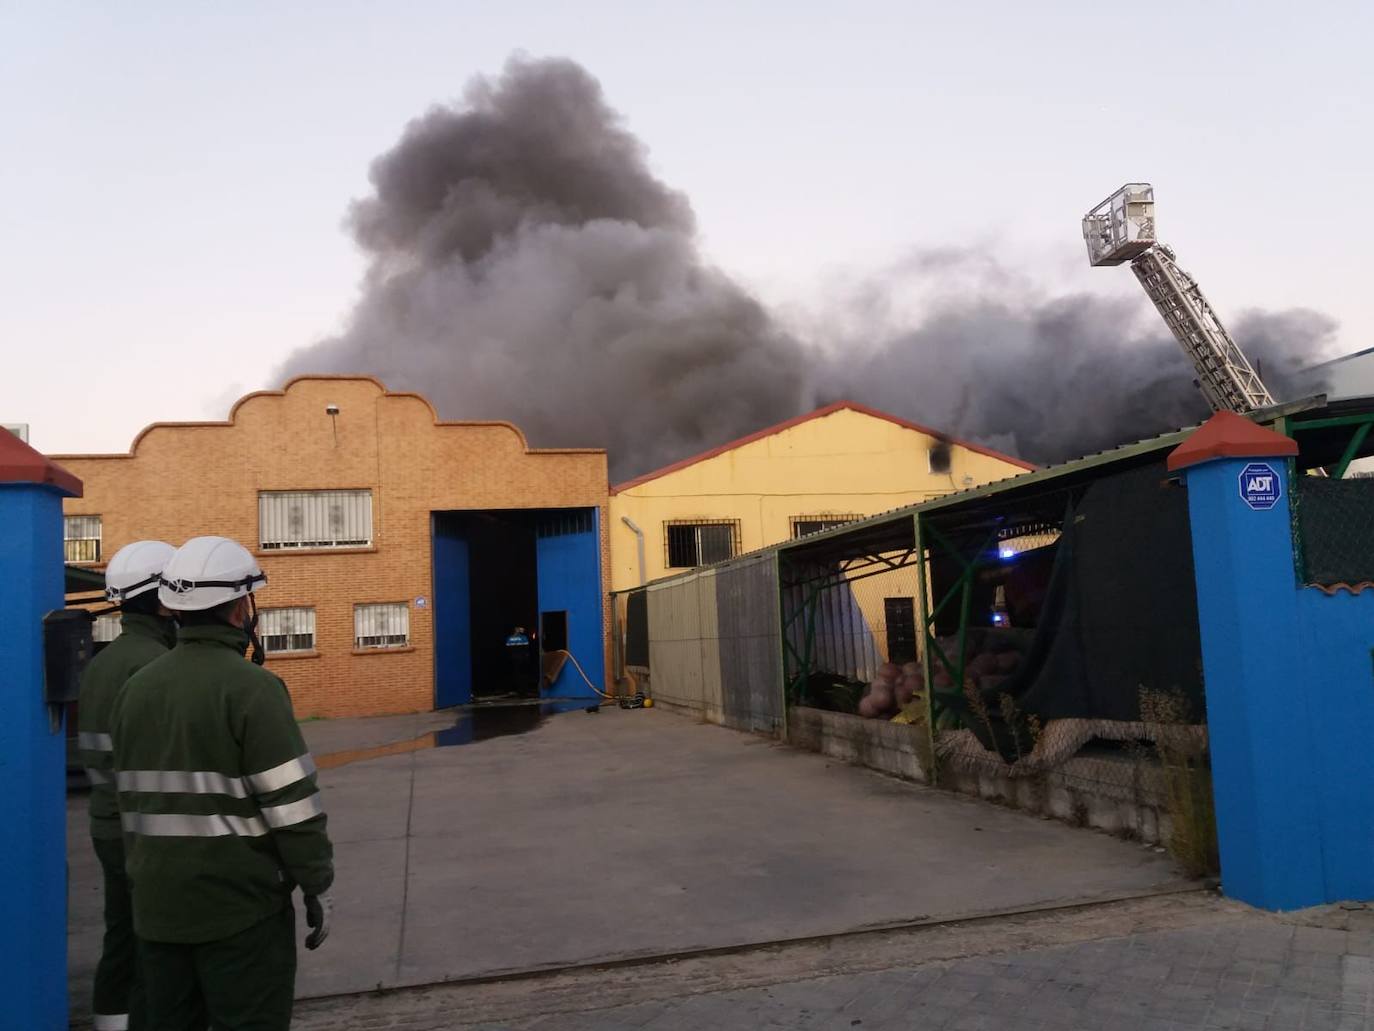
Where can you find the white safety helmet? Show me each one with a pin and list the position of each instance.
(208, 571)
(135, 569)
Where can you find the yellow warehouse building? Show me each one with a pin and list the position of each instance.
(834, 464)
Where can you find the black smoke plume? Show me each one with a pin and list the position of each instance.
(1044, 378)
(525, 264)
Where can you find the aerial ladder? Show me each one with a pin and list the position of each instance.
(1122, 228)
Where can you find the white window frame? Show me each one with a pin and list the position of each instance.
(87, 547)
(295, 621)
(296, 520)
(697, 524)
(381, 626)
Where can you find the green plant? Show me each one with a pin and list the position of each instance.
(1011, 716)
(1187, 777)
(980, 709)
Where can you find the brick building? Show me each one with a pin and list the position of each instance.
(399, 549)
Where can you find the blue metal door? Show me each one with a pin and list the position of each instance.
(568, 554)
(452, 615)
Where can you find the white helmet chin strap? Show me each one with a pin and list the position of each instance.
(119, 594)
(250, 582)
(258, 654)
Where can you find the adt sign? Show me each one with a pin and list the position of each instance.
(1260, 486)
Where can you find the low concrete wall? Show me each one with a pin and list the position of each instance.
(895, 748)
(1115, 795)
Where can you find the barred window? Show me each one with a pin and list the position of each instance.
(105, 628)
(802, 525)
(287, 630)
(314, 519)
(81, 538)
(701, 543)
(384, 625)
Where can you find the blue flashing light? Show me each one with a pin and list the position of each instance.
(1005, 551)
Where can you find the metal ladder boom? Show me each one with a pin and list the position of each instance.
(1225, 375)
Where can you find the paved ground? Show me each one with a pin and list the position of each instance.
(1181, 962)
(621, 834)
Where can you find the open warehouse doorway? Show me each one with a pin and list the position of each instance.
(499, 570)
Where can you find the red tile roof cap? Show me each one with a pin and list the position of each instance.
(20, 463)
(1228, 435)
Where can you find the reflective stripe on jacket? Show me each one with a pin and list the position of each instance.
(217, 792)
(142, 639)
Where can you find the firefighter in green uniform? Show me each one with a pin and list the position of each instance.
(220, 810)
(146, 631)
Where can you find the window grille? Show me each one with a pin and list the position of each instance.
(105, 628)
(81, 538)
(314, 519)
(700, 543)
(566, 522)
(384, 625)
(803, 525)
(287, 630)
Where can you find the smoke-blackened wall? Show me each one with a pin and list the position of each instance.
(525, 264)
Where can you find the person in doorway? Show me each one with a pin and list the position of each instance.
(220, 809)
(520, 662)
(146, 631)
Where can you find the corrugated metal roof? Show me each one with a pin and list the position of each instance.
(1071, 469)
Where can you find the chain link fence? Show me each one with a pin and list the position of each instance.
(1333, 529)
(1071, 682)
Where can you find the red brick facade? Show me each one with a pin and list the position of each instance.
(181, 480)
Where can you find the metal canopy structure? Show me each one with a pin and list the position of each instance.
(865, 548)
(963, 530)
(1327, 433)
(938, 557)
(1333, 436)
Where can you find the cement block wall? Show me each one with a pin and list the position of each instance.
(1106, 794)
(901, 750)
(1079, 792)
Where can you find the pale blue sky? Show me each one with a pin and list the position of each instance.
(174, 175)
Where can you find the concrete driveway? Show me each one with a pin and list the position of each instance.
(624, 833)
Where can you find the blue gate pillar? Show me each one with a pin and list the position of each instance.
(1264, 771)
(33, 804)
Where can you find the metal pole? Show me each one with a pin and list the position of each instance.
(927, 659)
(639, 545)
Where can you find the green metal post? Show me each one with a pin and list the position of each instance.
(781, 685)
(927, 659)
(1351, 449)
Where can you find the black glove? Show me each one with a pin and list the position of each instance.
(318, 910)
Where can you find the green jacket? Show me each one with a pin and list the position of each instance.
(141, 640)
(217, 792)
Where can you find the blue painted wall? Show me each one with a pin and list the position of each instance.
(33, 859)
(1290, 704)
(1337, 633)
(570, 579)
(452, 616)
